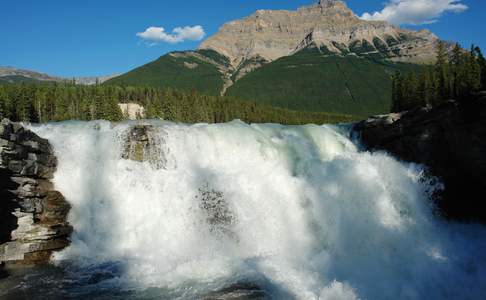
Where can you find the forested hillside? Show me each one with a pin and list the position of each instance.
(57, 102)
(176, 70)
(316, 80)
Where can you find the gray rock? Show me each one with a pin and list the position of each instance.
(16, 166)
(32, 215)
(142, 144)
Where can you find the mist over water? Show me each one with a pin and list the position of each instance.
(296, 209)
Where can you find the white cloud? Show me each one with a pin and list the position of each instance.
(178, 35)
(415, 12)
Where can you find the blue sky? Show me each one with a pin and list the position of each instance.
(98, 37)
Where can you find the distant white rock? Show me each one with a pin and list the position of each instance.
(93, 79)
(132, 111)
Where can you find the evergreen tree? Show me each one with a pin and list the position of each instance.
(458, 71)
(426, 89)
(482, 65)
(4, 113)
(64, 101)
(473, 76)
(443, 83)
(397, 92)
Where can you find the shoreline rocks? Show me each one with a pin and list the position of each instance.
(450, 140)
(32, 214)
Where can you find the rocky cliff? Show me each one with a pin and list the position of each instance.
(271, 34)
(32, 214)
(450, 140)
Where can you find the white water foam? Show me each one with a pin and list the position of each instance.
(298, 207)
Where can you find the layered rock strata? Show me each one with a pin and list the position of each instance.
(271, 34)
(32, 214)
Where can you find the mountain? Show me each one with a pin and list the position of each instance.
(331, 24)
(320, 57)
(92, 80)
(14, 75)
(202, 70)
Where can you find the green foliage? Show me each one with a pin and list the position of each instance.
(180, 106)
(176, 70)
(312, 81)
(482, 66)
(57, 102)
(361, 47)
(215, 56)
(456, 75)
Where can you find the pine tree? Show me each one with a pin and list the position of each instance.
(482, 66)
(473, 76)
(411, 93)
(425, 88)
(443, 83)
(3, 102)
(397, 92)
(457, 67)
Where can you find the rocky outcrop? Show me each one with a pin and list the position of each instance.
(32, 214)
(143, 144)
(271, 34)
(450, 140)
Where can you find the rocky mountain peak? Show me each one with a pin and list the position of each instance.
(331, 3)
(329, 24)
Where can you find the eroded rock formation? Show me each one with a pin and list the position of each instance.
(450, 140)
(32, 214)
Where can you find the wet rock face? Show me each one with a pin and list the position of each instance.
(450, 140)
(142, 144)
(32, 214)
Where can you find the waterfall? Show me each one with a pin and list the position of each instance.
(298, 210)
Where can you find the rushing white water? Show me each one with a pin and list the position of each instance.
(298, 210)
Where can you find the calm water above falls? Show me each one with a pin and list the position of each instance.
(298, 211)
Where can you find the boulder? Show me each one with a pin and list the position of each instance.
(450, 140)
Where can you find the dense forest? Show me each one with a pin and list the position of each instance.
(67, 101)
(457, 75)
(315, 79)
